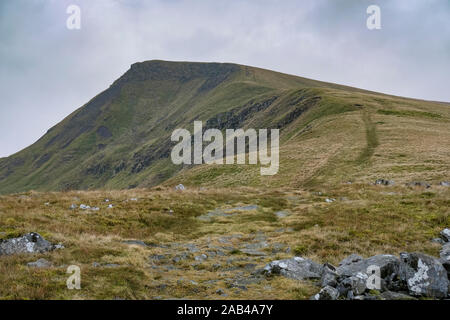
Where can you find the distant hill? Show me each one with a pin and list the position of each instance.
(329, 133)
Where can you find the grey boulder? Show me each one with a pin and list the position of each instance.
(28, 243)
(329, 276)
(421, 184)
(388, 265)
(424, 275)
(445, 234)
(180, 187)
(445, 258)
(327, 293)
(296, 268)
(384, 182)
(41, 263)
(353, 286)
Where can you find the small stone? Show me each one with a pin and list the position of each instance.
(41, 263)
(329, 276)
(278, 247)
(111, 265)
(384, 182)
(135, 242)
(281, 214)
(180, 257)
(201, 257)
(220, 292)
(158, 257)
(180, 187)
(420, 184)
(252, 252)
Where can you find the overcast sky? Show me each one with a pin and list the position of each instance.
(47, 71)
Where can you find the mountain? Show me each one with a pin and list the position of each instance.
(329, 133)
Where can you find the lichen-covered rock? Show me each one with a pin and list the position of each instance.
(296, 268)
(29, 243)
(327, 293)
(424, 275)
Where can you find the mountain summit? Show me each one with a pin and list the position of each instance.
(121, 138)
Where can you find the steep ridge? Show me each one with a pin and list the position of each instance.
(121, 138)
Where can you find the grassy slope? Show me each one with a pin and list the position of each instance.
(350, 136)
(141, 109)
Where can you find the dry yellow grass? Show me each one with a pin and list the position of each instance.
(365, 219)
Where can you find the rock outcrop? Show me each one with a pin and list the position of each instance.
(28, 243)
(380, 277)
